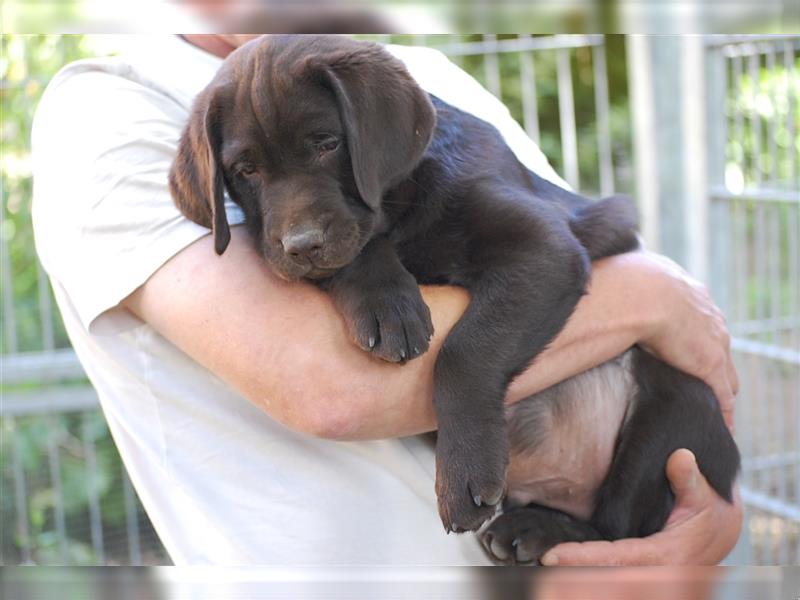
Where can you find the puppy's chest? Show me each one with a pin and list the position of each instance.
(437, 257)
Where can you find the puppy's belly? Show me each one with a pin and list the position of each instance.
(562, 439)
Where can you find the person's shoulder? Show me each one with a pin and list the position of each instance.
(156, 71)
(82, 77)
(82, 92)
(423, 64)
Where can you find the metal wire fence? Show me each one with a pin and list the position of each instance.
(754, 203)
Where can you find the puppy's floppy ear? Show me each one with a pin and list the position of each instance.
(195, 179)
(388, 119)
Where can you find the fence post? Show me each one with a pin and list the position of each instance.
(695, 143)
(644, 132)
(667, 79)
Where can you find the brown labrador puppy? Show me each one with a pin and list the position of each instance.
(352, 176)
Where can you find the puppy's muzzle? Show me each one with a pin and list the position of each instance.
(303, 244)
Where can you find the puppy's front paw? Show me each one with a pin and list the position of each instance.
(391, 322)
(470, 480)
(523, 535)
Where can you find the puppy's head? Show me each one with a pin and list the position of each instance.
(306, 134)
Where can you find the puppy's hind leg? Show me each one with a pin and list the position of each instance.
(672, 410)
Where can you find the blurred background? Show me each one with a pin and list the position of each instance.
(703, 130)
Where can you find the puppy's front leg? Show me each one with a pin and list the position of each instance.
(381, 304)
(529, 283)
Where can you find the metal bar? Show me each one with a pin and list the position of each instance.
(550, 42)
(793, 268)
(759, 195)
(770, 461)
(793, 274)
(748, 49)
(775, 398)
(788, 65)
(645, 152)
(604, 155)
(42, 367)
(95, 518)
(50, 400)
(491, 67)
(131, 520)
(730, 40)
(740, 245)
(746, 436)
(693, 121)
(721, 134)
(771, 138)
(738, 117)
(530, 109)
(786, 323)
(566, 111)
(45, 307)
(768, 351)
(770, 504)
(9, 318)
(754, 65)
(720, 253)
(760, 246)
(58, 491)
(20, 492)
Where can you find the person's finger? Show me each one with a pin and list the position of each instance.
(630, 551)
(720, 384)
(687, 483)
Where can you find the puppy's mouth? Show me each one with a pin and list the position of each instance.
(320, 272)
(294, 272)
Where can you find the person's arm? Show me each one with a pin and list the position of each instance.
(284, 347)
(641, 298)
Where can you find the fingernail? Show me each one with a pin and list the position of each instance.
(550, 559)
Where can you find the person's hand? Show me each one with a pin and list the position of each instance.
(690, 333)
(701, 530)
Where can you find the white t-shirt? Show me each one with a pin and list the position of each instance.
(222, 482)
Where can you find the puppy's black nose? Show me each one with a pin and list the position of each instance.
(303, 242)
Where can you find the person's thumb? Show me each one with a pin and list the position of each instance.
(685, 478)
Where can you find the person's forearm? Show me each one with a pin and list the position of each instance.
(284, 346)
(619, 308)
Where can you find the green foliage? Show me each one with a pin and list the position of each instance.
(33, 442)
(763, 122)
(27, 63)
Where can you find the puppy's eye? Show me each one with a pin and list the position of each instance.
(245, 169)
(325, 143)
